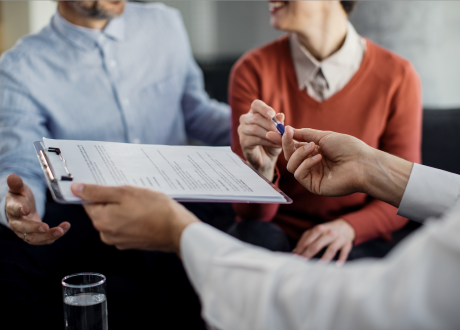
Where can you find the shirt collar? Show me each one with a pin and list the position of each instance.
(85, 38)
(333, 67)
(115, 29)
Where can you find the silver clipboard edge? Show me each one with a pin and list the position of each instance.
(53, 186)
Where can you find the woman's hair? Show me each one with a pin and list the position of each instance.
(348, 6)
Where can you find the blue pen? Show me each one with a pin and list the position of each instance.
(279, 126)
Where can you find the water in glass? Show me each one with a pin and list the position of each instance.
(87, 310)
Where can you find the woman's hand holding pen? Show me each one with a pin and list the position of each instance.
(258, 150)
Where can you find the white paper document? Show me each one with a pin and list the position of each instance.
(182, 172)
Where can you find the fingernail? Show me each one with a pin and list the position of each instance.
(307, 146)
(271, 113)
(339, 264)
(78, 187)
(316, 157)
(322, 262)
(56, 234)
(22, 211)
(41, 229)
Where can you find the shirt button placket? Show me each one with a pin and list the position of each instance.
(114, 76)
(131, 122)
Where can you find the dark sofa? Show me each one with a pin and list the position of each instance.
(441, 139)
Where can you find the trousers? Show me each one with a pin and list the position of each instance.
(270, 236)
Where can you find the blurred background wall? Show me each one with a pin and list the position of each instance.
(425, 32)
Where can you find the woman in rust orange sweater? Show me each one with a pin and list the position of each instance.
(323, 75)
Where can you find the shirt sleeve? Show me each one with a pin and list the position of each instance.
(402, 137)
(246, 287)
(206, 120)
(243, 90)
(429, 193)
(21, 124)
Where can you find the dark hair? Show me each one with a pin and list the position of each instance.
(348, 6)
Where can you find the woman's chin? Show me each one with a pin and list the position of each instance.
(278, 24)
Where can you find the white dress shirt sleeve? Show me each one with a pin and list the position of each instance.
(429, 193)
(245, 287)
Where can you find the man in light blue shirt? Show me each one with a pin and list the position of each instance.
(103, 71)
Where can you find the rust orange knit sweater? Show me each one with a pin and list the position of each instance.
(381, 105)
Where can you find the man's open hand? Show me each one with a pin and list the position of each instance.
(23, 217)
(135, 218)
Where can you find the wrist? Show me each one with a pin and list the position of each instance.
(181, 219)
(370, 171)
(268, 172)
(347, 229)
(386, 177)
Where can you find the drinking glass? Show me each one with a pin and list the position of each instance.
(85, 301)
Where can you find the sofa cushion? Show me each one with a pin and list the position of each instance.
(441, 139)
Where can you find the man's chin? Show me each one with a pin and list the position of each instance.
(112, 8)
(99, 9)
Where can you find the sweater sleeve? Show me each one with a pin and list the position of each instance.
(402, 137)
(244, 88)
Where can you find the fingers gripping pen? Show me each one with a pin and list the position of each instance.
(279, 126)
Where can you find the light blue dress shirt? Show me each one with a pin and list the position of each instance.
(136, 81)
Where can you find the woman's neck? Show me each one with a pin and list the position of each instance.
(325, 35)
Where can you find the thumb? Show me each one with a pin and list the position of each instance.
(280, 117)
(288, 143)
(15, 183)
(309, 135)
(96, 193)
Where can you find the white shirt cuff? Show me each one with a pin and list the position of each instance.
(429, 193)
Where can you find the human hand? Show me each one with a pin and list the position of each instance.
(259, 151)
(23, 217)
(334, 164)
(337, 235)
(331, 165)
(135, 218)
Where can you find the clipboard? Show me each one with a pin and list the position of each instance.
(50, 174)
(58, 171)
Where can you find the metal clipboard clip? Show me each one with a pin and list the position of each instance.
(49, 169)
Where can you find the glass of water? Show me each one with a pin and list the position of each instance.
(85, 301)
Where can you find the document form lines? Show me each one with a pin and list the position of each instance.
(165, 177)
(233, 160)
(187, 173)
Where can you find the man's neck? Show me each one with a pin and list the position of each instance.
(325, 36)
(74, 17)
